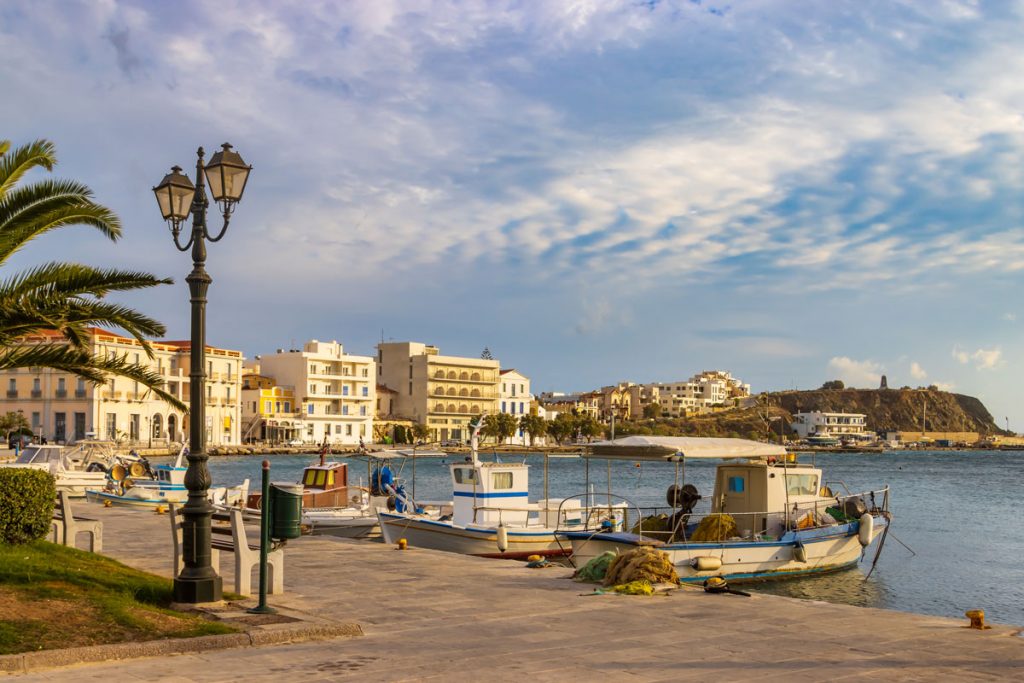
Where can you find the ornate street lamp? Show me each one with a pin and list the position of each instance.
(177, 198)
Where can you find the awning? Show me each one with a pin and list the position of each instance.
(670, 447)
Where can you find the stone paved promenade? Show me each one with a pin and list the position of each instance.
(429, 615)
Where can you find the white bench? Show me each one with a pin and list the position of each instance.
(65, 527)
(232, 539)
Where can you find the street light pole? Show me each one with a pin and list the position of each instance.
(198, 582)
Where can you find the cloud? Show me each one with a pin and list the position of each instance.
(1010, 317)
(916, 371)
(944, 386)
(855, 373)
(984, 359)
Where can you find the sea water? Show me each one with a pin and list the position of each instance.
(957, 510)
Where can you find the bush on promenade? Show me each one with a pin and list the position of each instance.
(26, 504)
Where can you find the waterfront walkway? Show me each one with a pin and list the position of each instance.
(430, 615)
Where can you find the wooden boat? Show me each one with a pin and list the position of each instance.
(770, 516)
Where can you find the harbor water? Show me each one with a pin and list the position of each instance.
(953, 508)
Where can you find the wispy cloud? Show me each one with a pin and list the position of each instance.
(983, 359)
(917, 372)
(855, 373)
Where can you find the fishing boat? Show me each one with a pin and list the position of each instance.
(70, 467)
(491, 515)
(769, 516)
(127, 485)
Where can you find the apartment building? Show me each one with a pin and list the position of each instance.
(63, 408)
(830, 425)
(515, 399)
(626, 400)
(698, 394)
(443, 392)
(335, 392)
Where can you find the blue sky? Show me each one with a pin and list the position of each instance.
(597, 191)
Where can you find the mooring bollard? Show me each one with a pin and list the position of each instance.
(262, 607)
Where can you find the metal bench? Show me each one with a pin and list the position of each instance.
(65, 527)
(232, 539)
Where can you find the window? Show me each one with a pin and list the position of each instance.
(112, 426)
(35, 384)
(12, 385)
(312, 388)
(501, 480)
(348, 430)
(60, 385)
(309, 478)
(344, 410)
(362, 410)
(737, 485)
(60, 426)
(802, 484)
(520, 407)
(277, 407)
(344, 390)
(309, 409)
(36, 421)
(521, 389)
(503, 407)
(465, 475)
(268, 406)
(366, 391)
(287, 406)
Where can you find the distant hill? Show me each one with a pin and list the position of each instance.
(896, 409)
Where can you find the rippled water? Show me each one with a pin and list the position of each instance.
(955, 509)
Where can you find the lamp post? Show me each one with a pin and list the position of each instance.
(178, 197)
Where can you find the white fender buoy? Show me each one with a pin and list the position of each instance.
(867, 529)
(800, 553)
(502, 538)
(707, 564)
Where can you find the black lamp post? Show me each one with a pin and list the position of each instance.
(177, 197)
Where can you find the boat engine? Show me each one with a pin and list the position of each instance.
(684, 498)
(854, 507)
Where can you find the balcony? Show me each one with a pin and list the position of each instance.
(37, 393)
(12, 394)
(79, 393)
(61, 393)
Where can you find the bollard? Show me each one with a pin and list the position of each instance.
(262, 607)
(977, 617)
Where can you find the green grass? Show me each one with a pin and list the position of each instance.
(52, 596)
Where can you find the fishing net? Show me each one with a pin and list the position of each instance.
(715, 528)
(644, 563)
(652, 523)
(595, 570)
(640, 587)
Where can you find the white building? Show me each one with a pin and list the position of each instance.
(699, 393)
(335, 392)
(515, 399)
(831, 425)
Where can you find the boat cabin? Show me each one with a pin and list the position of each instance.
(762, 495)
(324, 485)
(44, 456)
(494, 486)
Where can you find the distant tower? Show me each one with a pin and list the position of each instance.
(885, 383)
(486, 355)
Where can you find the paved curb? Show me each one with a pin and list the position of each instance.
(48, 659)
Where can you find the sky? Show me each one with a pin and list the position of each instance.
(595, 190)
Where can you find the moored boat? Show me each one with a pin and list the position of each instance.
(769, 517)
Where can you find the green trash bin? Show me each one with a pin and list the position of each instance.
(285, 511)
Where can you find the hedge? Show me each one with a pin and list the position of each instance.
(26, 504)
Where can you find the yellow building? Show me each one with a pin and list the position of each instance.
(443, 392)
(269, 414)
(63, 408)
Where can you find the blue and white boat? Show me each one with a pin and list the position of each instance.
(491, 515)
(166, 486)
(769, 516)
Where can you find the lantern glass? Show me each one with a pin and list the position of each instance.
(226, 174)
(174, 196)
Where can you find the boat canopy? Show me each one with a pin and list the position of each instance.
(667, 448)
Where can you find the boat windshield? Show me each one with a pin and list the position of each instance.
(28, 454)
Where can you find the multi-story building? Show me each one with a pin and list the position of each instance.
(555, 402)
(830, 425)
(443, 392)
(626, 400)
(63, 408)
(515, 399)
(335, 391)
(698, 394)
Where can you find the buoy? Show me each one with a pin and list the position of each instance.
(160, 510)
(107, 503)
(800, 552)
(502, 538)
(867, 529)
(977, 617)
(534, 558)
(707, 564)
(402, 544)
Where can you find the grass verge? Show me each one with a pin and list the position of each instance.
(52, 596)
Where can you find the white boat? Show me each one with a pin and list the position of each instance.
(165, 487)
(491, 515)
(70, 474)
(770, 517)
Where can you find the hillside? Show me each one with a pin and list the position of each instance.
(896, 409)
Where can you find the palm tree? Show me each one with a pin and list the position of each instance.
(64, 299)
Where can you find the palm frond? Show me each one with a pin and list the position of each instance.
(70, 317)
(14, 165)
(17, 232)
(96, 369)
(74, 279)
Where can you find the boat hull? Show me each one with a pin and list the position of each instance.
(420, 532)
(824, 550)
(364, 527)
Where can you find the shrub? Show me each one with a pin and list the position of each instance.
(26, 504)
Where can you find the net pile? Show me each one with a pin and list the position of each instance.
(715, 528)
(595, 570)
(642, 563)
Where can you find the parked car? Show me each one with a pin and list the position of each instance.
(451, 443)
(295, 442)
